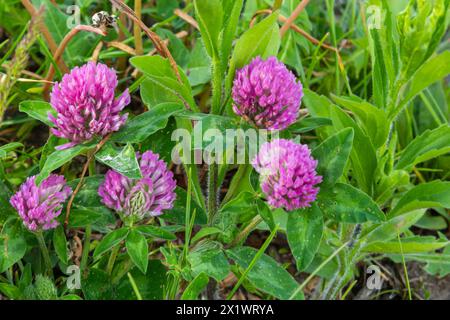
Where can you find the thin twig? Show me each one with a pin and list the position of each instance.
(123, 47)
(32, 74)
(97, 51)
(63, 45)
(152, 52)
(186, 17)
(157, 42)
(302, 32)
(83, 173)
(293, 16)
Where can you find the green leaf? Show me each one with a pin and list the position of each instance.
(195, 287)
(154, 93)
(49, 148)
(209, 258)
(137, 249)
(206, 231)
(97, 285)
(142, 126)
(232, 10)
(151, 285)
(431, 222)
(363, 157)
(380, 81)
(430, 144)
(198, 69)
(88, 208)
(332, 156)
(209, 16)
(304, 233)
(213, 128)
(309, 124)
(159, 71)
(266, 213)
(9, 147)
(70, 297)
(392, 227)
(60, 244)
(82, 217)
(263, 40)
(372, 119)
(241, 205)
(442, 266)
(5, 206)
(425, 195)
(12, 244)
(266, 275)
(121, 160)
(60, 157)
(155, 232)
(345, 203)
(109, 241)
(408, 245)
(38, 110)
(240, 209)
(433, 70)
(10, 291)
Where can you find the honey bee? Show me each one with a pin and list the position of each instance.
(103, 19)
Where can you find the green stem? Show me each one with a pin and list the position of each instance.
(86, 245)
(112, 259)
(134, 286)
(405, 270)
(45, 253)
(216, 87)
(92, 167)
(253, 262)
(187, 224)
(244, 233)
(235, 183)
(88, 230)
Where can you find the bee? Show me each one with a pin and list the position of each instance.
(103, 19)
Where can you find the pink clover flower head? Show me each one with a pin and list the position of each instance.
(287, 174)
(85, 104)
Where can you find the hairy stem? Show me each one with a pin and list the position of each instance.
(216, 87)
(212, 193)
(45, 253)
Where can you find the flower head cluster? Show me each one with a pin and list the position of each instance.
(39, 206)
(288, 174)
(138, 197)
(267, 94)
(85, 104)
